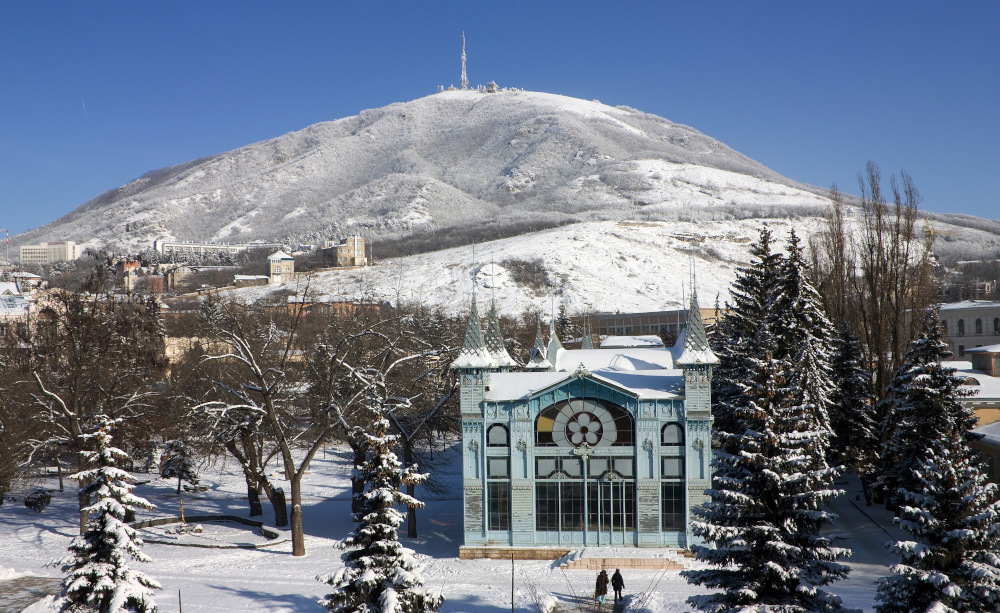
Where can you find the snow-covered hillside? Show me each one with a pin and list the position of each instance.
(452, 159)
(606, 266)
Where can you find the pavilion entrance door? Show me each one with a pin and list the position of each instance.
(610, 510)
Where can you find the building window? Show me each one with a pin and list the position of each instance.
(499, 505)
(497, 436)
(961, 327)
(672, 467)
(944, 327)
(672, 435)
(961, 350)
(979, 326)
(996, 325)
(559, 506)
(672, 507)
(572, 423)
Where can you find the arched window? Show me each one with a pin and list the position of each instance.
(944, 327)
(572, 423)
(672, 435)
(996, 325)
(979, 326)
(497, 436)
(961, 327)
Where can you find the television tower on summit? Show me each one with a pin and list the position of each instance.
(465, 79)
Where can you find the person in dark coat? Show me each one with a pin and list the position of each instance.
(601, 591)
(617, 583)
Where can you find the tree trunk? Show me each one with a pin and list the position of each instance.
(411, 512)
(253, 496)
(298, 536)
(277, 499)
(178, 486)
(357, 482)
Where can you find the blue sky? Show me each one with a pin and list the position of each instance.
(94, 94)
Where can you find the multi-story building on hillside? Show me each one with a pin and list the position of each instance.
(349, 251)
(665, 324)
(970, 324)
(48, 253)
(180, 250)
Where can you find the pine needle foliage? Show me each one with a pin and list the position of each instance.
(855, 439)
(380, 574)
(946, 501)
(98, 575)
(772, 480)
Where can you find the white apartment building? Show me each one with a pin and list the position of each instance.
(47, 253)
(970, 324)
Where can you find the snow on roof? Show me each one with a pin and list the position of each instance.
(991, 433)
(625, 342)
(985, 386)
(986, 349)
(13, 306)
(969, 304)
(615, 359)
(279, 255)
(660, 383)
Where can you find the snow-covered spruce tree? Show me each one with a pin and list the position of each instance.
(735, 337)
(380, 575)
(98, 575)
(946, 501)
(765, 511)
(179, 461)
(802, 335)
(852, 415)
(918, 394)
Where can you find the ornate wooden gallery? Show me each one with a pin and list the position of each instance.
(587, 447)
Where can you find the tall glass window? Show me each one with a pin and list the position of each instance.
(672, 515)
(611, 494)
(498, 493)
(961, 327)
(558, 493)
(979, 326)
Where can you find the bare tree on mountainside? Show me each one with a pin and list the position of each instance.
(873, 279)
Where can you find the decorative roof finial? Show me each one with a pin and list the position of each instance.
(696, 348)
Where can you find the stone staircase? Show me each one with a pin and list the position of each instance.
(592, 559)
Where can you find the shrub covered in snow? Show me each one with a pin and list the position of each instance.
(37, 500)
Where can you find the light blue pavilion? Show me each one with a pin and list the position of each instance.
(584, 448)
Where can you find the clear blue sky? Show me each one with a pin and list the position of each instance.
(94, 94)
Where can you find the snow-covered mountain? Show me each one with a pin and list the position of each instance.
(457, 159)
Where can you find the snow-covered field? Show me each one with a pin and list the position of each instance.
(605, 266)
(271, 579)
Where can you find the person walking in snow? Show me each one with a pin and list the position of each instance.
(617, 583)
(601, 592)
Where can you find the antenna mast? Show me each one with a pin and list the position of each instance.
(465, 80)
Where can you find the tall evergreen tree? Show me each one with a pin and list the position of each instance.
(852, 416)
(99, 578)
(802, 336)
(735, 337)
(946, 501)
(766, 507)
(771, 477)
(380, 575)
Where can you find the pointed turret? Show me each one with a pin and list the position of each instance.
(494, 342)
(537, 360)
(554, 347)
(696, 348)
(474, 354)
(588, 338)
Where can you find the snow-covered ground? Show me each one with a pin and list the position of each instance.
(271, 579)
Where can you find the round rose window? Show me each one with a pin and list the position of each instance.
(584, 421)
